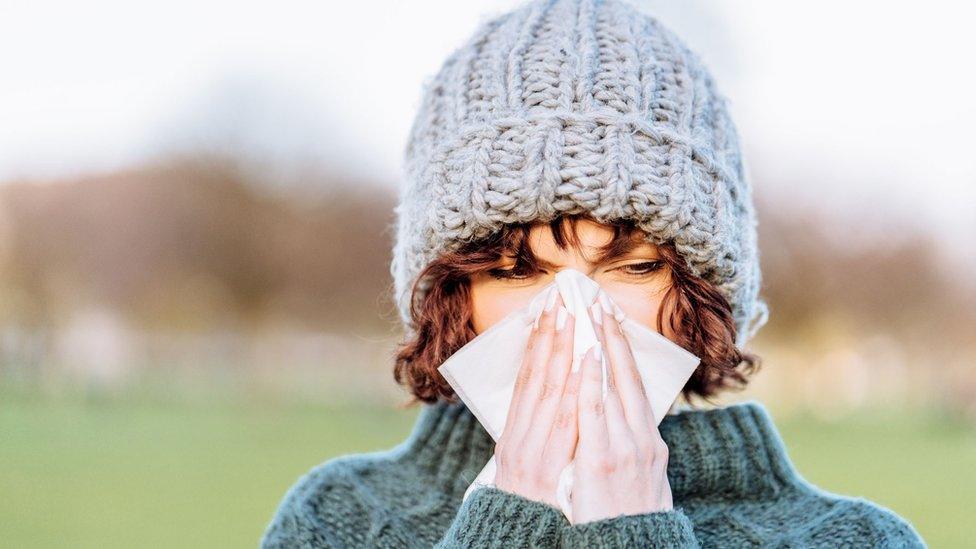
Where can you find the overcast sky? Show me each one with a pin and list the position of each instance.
(867, 99)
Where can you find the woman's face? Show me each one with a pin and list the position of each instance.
(635, 281)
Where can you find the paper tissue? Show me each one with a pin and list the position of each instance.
(483, 371)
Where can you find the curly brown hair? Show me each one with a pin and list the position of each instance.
(701, 319)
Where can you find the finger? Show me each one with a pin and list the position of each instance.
(533, 370)
(593, 434)
(621, 363)
(564, 436)
(617, 427)
(536, 345)
(550, 391)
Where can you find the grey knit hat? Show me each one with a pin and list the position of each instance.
(570, 107)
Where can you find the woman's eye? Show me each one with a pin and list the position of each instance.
(515, 273)
(640, 269)
(521, 273)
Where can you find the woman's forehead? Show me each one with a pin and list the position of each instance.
(595, 243)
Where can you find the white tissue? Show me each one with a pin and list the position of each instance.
(483, 371)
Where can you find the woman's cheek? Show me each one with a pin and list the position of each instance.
(490, 304)
(639, 303)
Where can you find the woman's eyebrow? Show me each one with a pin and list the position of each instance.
(606, 256)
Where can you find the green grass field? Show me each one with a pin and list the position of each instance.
(157, 473)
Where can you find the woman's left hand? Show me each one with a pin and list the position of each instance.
(621, 460)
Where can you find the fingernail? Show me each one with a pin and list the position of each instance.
(598, 351)
(538, 316)
(597, 310)
(561, 317)
(551, 300)
(618, 313)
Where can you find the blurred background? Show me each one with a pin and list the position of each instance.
(196, 203)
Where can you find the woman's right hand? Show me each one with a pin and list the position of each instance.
(541, 429)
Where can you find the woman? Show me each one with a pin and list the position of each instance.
(577, 134)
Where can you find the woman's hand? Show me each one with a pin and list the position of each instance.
(621, 460)
(540, 431)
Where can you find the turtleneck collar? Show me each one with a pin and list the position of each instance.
(731, 452)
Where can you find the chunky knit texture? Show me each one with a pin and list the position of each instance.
(732, 482)
(579, 107)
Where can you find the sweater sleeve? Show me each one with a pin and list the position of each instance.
(670, 528)
(492, 517)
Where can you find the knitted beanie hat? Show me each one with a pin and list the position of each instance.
(573, 107)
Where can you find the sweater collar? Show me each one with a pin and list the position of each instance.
(733, 451)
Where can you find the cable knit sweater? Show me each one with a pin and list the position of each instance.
(732, 482)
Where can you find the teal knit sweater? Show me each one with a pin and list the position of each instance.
(731, 479)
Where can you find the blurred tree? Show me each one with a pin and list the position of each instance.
(198, 244)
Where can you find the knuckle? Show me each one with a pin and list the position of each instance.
(597, 407)
(646, 448)
(501, 456)
(513, 460)
(661, 450)
(605, 464)
(561, 347)
(524, 375)
(626, 453)
(564, 419)
(548, 389)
